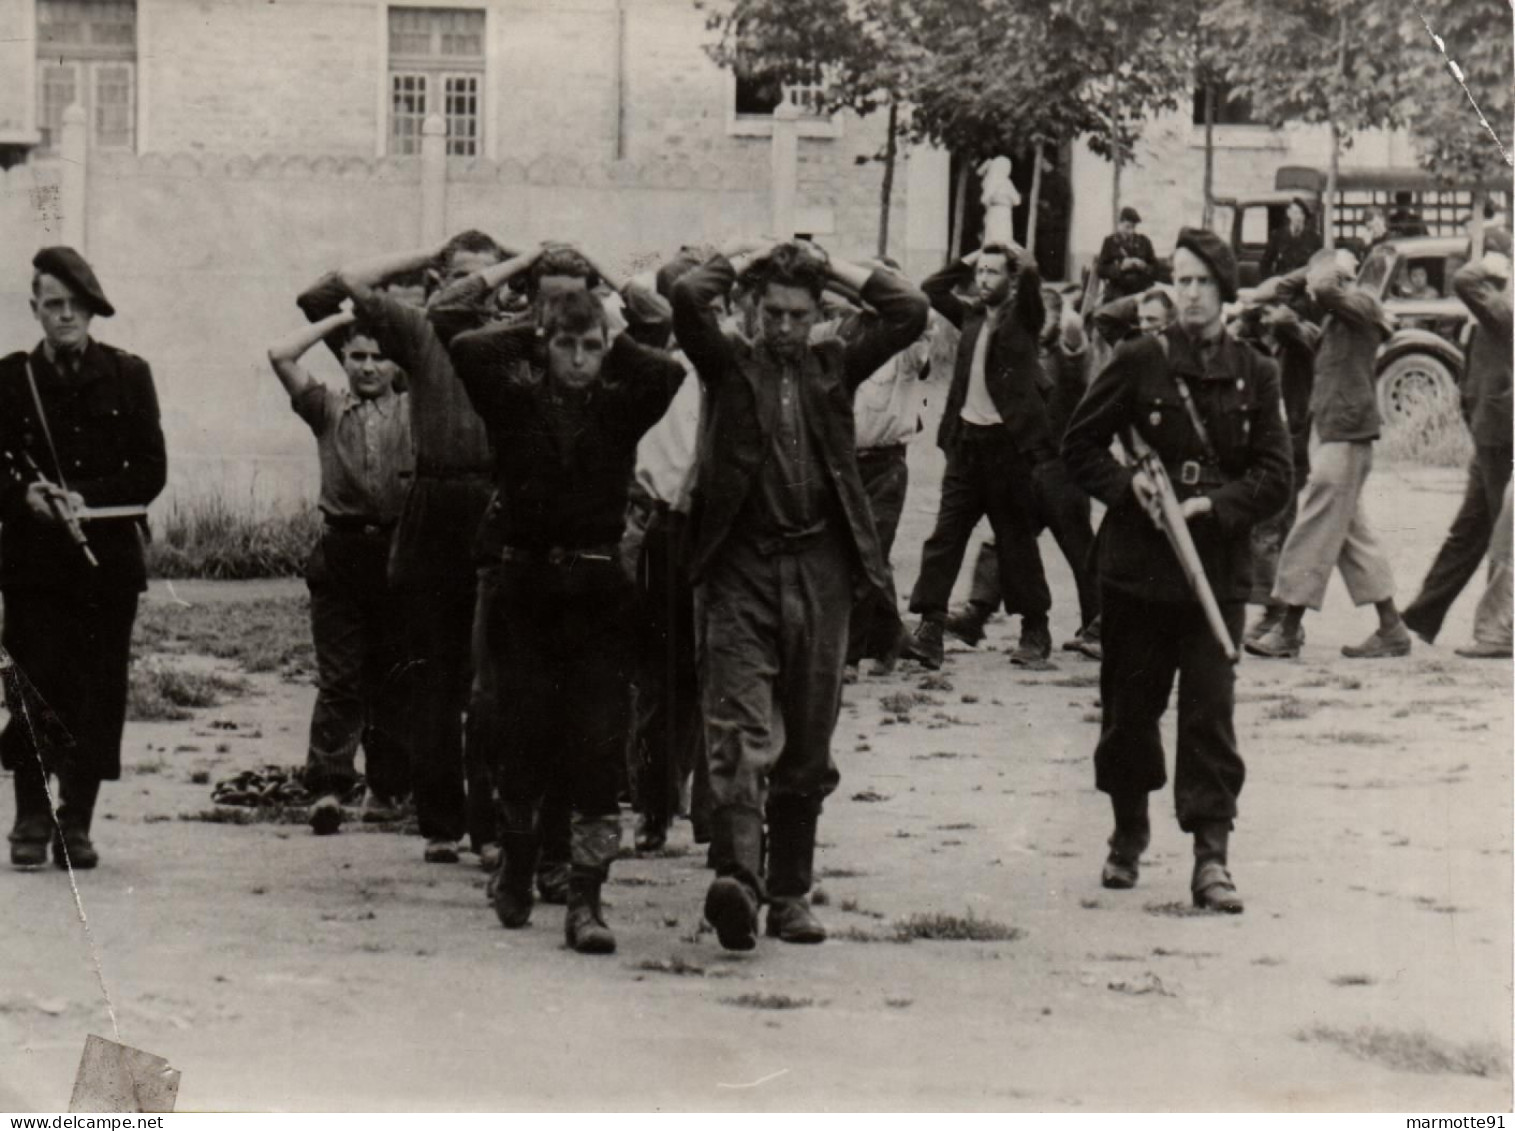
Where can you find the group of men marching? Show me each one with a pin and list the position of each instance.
(561, 507)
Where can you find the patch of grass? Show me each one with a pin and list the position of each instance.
(955, 928)
(856, 908)
(679, 967)
(239, 815)
(266, 635)
(1354, 738)
(157, 692)
(1289, 708)
(859, 935)
(210, 537)
(956, 826)
(1074, 681)
(840, 873)
(1353, 980)
(1178, 910)
(899, 1002)
(1344, 682)
(935, 682)
(768, 1001)
(1435, 437)
(903, 702)
(1413, 1050)
(870, 795)
(940, 756)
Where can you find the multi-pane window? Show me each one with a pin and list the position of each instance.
(87, 53)
(436, 66)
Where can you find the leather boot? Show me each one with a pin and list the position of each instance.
(34, 819)
(927, 647)
(1212, 886)
(78, 790)
(584, 926)
(511, 885)
(732, 901)
(1133, 832)
(791, 859)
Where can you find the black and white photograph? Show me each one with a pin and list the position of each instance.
(755, 556)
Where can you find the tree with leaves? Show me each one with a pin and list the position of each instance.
(1333, 62)
(1460, 112)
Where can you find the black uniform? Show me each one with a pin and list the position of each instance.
(68, 624)
(1153, 628)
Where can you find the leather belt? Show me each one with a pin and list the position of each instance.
(774, 545)
(560, 555)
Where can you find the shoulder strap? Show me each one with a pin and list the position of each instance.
(1188, 398)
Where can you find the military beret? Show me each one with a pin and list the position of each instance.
(1217, 256)
(1131, 214)
(68, 266)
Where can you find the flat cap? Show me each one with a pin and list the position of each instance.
(68, 266)
(1130, 214)
(1217, 255)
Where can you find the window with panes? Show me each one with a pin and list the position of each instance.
(87, 53)
(436, 66)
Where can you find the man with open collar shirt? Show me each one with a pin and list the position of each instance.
(79, 432)
(781, 529)
(997, 437)
(566, 408)
(1208, 405)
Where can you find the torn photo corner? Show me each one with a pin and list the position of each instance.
(118, 1078)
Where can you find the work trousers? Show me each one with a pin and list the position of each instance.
(775, 643)
(1466, 544)
(876, 625)
(1332, 531)
(438, 597)
(986, 475)
(1146, 644)
(355, 626)
(1063, 507)
(669, 731)
(1492, 618)
(66, 696)
(562, 641)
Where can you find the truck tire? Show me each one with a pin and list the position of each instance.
(1412, 386)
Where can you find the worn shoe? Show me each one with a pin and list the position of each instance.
(731, 908)
(1034, 647)
(1213, 889)
(1278, 643)
(1478, 651)
(326, 815)
(966, 625)
(552, 883)
(1271, 617)
(927, 646)
(1381, 645)
(380, 810)
(885, 664)
(584, 927)
(1086, 643)
(28, 853)
(440, 850)
(651, 834)
(74, 850)
(1121, 870)
(791, 920)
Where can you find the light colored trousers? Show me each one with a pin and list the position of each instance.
(1492, 618)
(1332, 531)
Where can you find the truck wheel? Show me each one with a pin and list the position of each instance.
(1413, 386)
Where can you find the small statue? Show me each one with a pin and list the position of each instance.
(999, 197)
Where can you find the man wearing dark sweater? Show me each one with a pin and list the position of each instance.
(781, 531)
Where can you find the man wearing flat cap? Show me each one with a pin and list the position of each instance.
(1208, 405)
(1127, 263)
(81, 456)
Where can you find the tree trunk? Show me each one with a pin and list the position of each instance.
(886, 192)
(1328, 205)
(1209, 210)
(1115, 150)
(959, 207)
(1036, 196)
(1476, 225)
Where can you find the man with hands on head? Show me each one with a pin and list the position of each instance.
(781, 532)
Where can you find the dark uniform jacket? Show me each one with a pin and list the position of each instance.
(104, 421)
(1486, 388)
(740, 378)
(1237, 396)
(1127, 281)
(1012, 366)
(1287, 252)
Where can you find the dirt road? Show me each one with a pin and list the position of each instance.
(1370, 971)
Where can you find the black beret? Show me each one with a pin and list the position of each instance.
(1131, 214)
(68, 266)
(1217, 255)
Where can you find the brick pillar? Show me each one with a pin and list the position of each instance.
(74, 150)
(433, 180)
(786, 168)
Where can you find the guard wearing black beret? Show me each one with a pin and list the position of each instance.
(81, 456)
(1127, 263)
(1208, 406)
